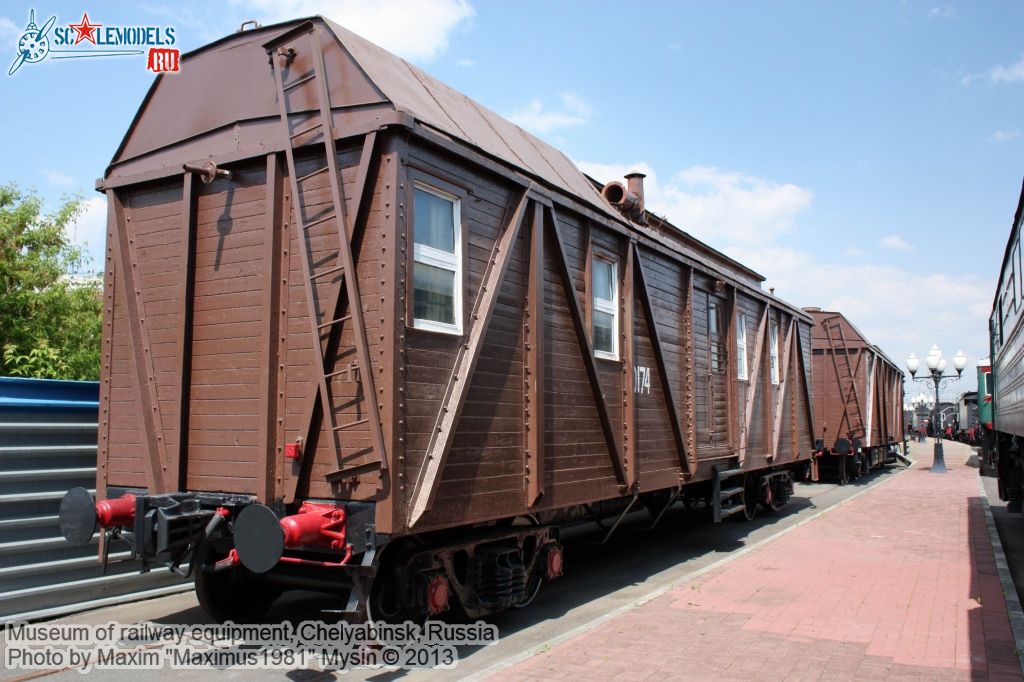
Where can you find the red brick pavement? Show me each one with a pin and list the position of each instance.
(897, 584)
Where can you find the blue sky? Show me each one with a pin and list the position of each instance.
(863, 156)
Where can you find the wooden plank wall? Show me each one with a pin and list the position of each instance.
(250, 336)
(486, 474)
(300, 378)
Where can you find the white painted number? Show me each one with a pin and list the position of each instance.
(641, 380)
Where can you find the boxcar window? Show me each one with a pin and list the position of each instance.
(606, 313)
(741, 346)
(773, 351)
(715, 340)
(437, 256)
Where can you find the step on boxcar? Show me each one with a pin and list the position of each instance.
(364, 336)
(858, 406)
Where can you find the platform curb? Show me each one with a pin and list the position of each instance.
(1013, 605)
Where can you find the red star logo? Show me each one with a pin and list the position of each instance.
(85, 30)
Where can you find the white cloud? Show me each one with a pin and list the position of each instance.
(675, 46)
(58, 178)
(537, 118)
(413, 29)
(465, 62)
(942, 12)
(1004, 135)
(899, 309)
(8, 29)
(894, 242)
(717, 206)
(1007, 74)
(998, 74)
(89, 231)
(894, 305)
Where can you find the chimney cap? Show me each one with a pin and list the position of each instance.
(635, 174)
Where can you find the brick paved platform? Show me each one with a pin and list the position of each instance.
(899, 583)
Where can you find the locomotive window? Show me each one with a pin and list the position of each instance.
(606, 313)
(1017, 267)
(773, 351)
(741, 346)
(437, 256)
(1011, 296)
(715, 345)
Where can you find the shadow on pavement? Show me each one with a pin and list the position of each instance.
(592, 570)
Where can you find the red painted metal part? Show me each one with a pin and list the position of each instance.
(291, 451)
(230, 561)
(322, 564)
(315, 524)
(437, 595)
(554, 562)
(117, 512)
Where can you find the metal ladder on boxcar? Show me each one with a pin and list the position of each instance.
(726, 502)
(851, 405)
(320, 124)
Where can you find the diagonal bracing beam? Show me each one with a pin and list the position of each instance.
(753, 385)
(785, 374)
(429, 477)
(685, 461)
(587, 350)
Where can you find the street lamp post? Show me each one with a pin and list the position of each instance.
(936, 366)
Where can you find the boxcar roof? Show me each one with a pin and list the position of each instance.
(201, 99)
(854, 337)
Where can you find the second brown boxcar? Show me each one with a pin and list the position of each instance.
(858, 406)
(365, 336)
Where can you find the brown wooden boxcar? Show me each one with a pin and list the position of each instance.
(858, 406)
(363, 335)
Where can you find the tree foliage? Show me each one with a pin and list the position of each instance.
(50, 322)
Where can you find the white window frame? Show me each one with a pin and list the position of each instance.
(609, 307)
(741, 346)
(428, 255)
(773, 351)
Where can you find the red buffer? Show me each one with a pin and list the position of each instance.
(261, 538)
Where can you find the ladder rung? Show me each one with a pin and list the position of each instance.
(307, 176)
(329, 271)
(356, 470)
(297, 83)
(307, 129)
(327, 217)
(333, 322)
(729, 492)
(733, 509)
(726, 473)
(351, 366)
(350, 424)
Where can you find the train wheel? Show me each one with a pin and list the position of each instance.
(234, 594)
(384, 605)
(387, 598)
(532, 588)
